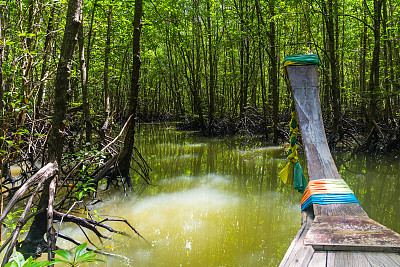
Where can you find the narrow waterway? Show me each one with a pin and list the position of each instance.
(219, 202)
(213, 202)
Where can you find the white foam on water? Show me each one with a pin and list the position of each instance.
(204, 197)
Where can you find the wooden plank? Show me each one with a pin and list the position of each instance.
(341, 226)
(301, 256)
(342, 259)
(292, 246)
(297, 243)
(330, 259)
(305, 91)
(320, 165)
(380, 259)
(351, 233)
(347, 209)
(346, 258)
(298, 254)
(319, 259)
(395, 257)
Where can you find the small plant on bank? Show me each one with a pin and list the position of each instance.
(79, 257)
(19, 261)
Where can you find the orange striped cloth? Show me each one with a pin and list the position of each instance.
(327, 191)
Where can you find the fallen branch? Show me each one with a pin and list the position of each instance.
(46, 172)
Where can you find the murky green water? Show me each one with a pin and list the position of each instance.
(376, 184)
(212, 203)
(220, 202)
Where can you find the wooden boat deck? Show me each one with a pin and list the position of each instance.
(334, 234)
(300, 255)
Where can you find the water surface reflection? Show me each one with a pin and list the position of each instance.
(215, 202)
(219, 202)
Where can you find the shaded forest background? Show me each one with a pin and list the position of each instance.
(215, 65)
(76, 75)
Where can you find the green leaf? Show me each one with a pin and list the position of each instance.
(10, 143)
(90, 260)
(32, 263)
(87, 254)
(19, 259)
(63, 253)
(57, 260)
(80, 250)
(80, 195)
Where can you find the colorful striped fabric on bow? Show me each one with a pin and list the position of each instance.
(327, 191)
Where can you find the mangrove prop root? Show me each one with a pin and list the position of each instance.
(79, 221)
(70, 239)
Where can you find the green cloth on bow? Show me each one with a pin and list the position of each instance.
(302, 59)
(299, 181)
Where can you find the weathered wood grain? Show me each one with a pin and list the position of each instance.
(351, 233)
(344, 227)
(298, 254)
(347, 209)
(395, 257)
(346, 258)
(305, 92)
(380, 259)
(319, 259)
(301, 256)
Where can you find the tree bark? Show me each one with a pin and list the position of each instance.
(374, 74)
(63, 77)
(88, 50)
(46, 52)
(363, 55)
(85, 93)
(1, 72)
(329, 10)
(34, 242)
(243, 72)
(273, 72)
(126, 152)
(387, 59)
(106, 88)
(261, 63)
(211, 104)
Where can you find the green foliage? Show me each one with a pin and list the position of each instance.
(80, 256)
(85, 188)
(19, 261)
(11, 221)
(77, 258)
(89, 159)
